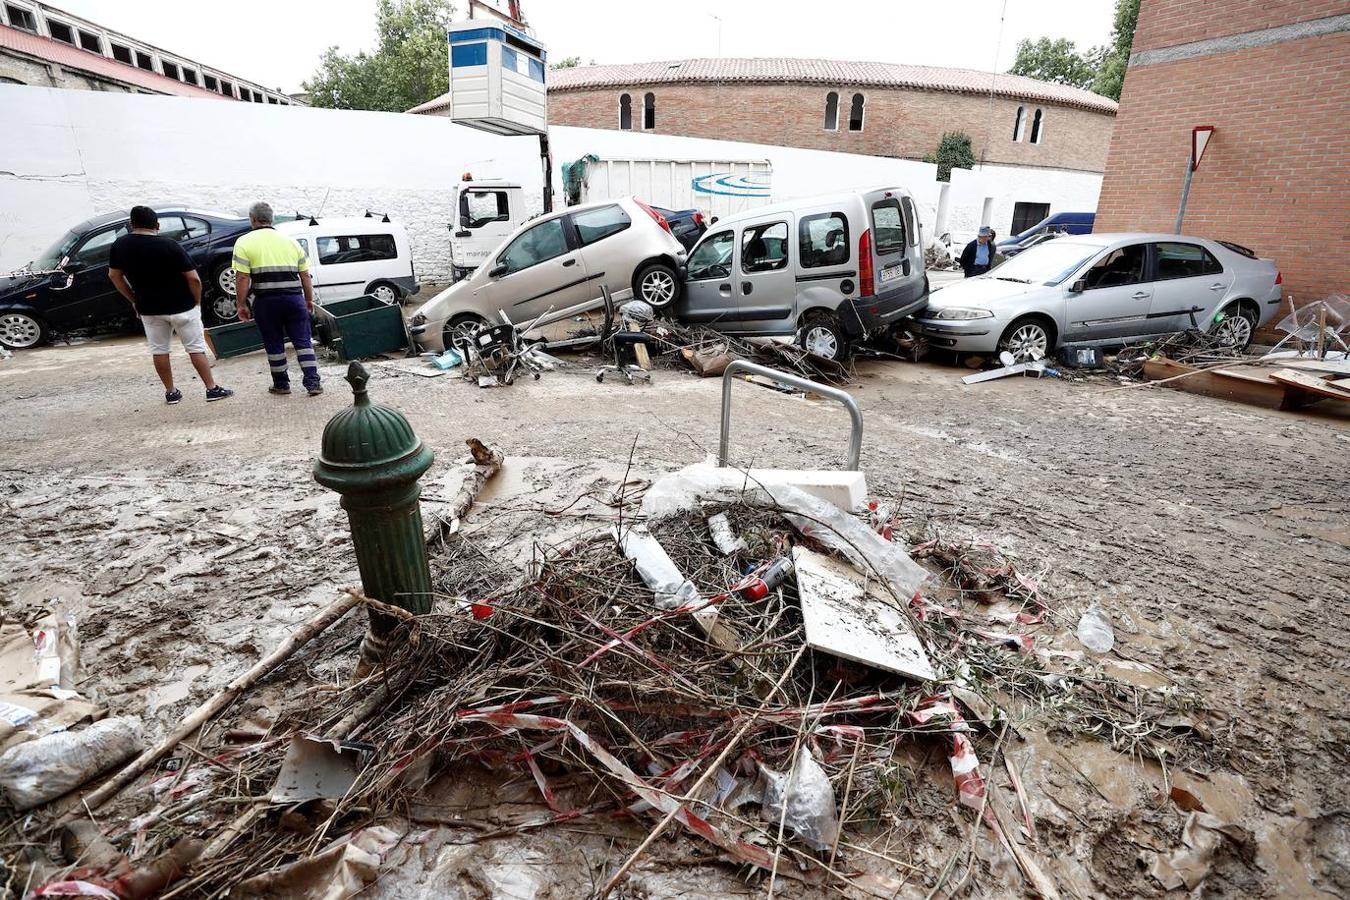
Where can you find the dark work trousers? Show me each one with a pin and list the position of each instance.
(281, 315)
(976, 270)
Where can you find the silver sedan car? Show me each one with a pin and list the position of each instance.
(1103, 290)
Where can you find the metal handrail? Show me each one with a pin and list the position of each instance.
(854, 413)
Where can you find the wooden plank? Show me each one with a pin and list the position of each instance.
(1306, 382)
(1210, 383)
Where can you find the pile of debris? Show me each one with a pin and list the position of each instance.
(708, 352)
(741, 661)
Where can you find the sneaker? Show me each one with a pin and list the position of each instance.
(280, 391)
(315, 391)
(173, 396)
(218, 393)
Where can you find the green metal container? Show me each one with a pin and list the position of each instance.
(234, 339)
(360, 327)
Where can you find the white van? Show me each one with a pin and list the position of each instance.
(356, 256)
(831, 270)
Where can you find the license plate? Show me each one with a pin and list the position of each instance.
(891, 273)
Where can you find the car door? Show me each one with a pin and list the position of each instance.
(539, 273)
(1113, 302)
(766, 284)
(605, 239)
(482, 221)
(91, 298)
(1189, 286)
(707, 297)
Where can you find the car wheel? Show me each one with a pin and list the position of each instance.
(222, 279)
(1027, 340)
(657, 285)
(221, 308)
(461, 329)
(822, 335)
(20, 331)
(384, 292)
(1236, 328)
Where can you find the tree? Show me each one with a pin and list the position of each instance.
(1111, 73)
(953, 152)
(410, 65)
(568, 62)
(1055, 60)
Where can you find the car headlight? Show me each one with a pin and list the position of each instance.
(419, 319)
(962, 312)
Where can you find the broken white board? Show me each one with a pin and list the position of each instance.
(848, 617)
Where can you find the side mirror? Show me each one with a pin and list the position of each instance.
(1078, 286)
(497, 271)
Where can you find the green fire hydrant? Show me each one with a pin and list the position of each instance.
(372, 457)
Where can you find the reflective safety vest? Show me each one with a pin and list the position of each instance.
(272, 261)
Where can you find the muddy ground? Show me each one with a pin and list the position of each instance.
(1214, 535)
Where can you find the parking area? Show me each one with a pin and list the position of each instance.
(1213, 534)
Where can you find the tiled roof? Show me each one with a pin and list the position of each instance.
(827, 72)
(813, 71)
(69, 57)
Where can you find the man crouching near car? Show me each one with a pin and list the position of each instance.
(277, 270)
(156, 276)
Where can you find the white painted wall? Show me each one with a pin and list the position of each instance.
(67, 155)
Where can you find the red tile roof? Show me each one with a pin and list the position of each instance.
(69, 57)
(814, 71)
(826, 71)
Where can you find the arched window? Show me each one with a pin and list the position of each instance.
(1036, 128)
(625, 112)
(831, 111)
(1020, 125)
(855, 113)
(649, 111)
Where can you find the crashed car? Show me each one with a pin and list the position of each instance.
(552, 268)
(1098, 290)
(67, 286)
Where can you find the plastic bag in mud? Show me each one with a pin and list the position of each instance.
(810, 801)
(37, 771)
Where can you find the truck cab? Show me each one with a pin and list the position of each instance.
(484, 213)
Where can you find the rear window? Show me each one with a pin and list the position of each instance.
(823, 240)
(353, 248)
(888, 227)
(597, 224)
(1185, 261)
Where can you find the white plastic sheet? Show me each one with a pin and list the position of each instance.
(809, 798)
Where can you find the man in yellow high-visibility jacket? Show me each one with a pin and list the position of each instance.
(277, 270)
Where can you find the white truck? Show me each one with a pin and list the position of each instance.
(487, 210)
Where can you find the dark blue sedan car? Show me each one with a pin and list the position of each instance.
(67, 286)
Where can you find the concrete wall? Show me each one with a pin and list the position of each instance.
(897, 121)
(26, 70)
(68, 155)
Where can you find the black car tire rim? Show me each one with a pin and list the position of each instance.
(20, 331)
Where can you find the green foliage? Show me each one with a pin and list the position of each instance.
(1058, 61)
(953, 152)
(1098, 69)
(1111, 73)
(569, 62)
(410, 65)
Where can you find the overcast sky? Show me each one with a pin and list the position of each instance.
(277, 42)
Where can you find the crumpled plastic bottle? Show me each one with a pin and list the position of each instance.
(1095, 631)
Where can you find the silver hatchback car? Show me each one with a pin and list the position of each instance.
(553, 266)
(1103, 290)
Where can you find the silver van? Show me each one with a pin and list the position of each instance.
(829, 270)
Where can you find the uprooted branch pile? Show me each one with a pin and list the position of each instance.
(617, 709)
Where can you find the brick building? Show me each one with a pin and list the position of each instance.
(1270, 75)
(879, 109)
(44, 46)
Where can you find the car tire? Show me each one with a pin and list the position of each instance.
(657, 284)
(1025, 335)
(821, 334)
(461, 328)
(1237, 328)
(385, 292)
(220, 307)
(22, 331)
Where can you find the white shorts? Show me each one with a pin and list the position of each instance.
(188, 326)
